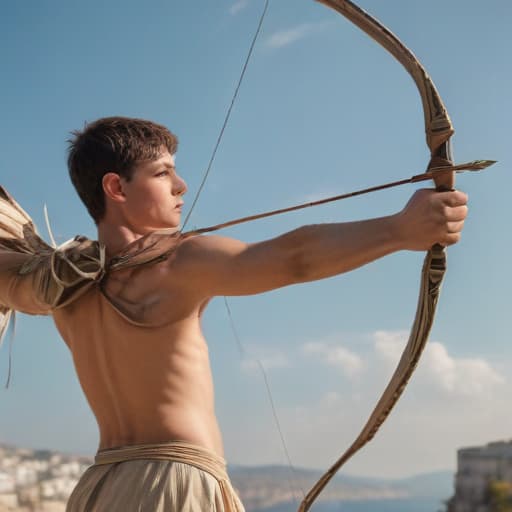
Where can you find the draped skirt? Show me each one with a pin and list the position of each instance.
(167, 477)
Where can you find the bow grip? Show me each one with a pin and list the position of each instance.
(441, 188)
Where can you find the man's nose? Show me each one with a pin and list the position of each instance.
(179, 187)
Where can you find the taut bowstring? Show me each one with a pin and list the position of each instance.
(241, 348)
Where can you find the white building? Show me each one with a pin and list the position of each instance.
(476, 468)
(8, 501)
(69, 469)
(57, 488)
(25, 475)
(7, 483)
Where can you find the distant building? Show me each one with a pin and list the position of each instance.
(37, 480)
(8, 501)
(52, 506)
(7, 483)
(26, 475)
(477, 467)
(57, 488)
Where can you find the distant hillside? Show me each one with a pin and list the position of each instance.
(266, 488)
(261, 488)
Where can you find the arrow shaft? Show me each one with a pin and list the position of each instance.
(414, 179)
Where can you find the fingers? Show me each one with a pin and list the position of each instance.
(432, 217)
(450, 233)
(455, 214)
(453, 198)
(454, 227)
(450, 239)
(453, 210)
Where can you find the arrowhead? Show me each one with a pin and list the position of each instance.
(475, 165)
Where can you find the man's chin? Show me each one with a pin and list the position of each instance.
(161, 226)
(168, 226)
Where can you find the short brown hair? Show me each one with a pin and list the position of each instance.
(112, 144)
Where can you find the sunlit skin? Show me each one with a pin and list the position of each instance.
(148, 385)
(152, 199)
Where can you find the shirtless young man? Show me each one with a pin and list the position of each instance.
(136, 338)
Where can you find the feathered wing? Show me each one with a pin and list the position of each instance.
(14, 222)
(34, 277)
(17, 237)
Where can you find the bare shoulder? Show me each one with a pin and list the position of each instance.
(216, 265)
(194, 250)
(200, 268)
(201, 260)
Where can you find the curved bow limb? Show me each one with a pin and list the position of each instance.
(438, 130)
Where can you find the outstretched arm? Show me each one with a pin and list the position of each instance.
(215, 265)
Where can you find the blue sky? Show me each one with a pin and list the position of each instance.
(323, 110)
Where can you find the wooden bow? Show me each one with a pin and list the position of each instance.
(438, 129)
(441, 169)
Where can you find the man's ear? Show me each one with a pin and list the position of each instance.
(113, 187)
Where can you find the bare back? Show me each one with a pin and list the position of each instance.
(145, 384)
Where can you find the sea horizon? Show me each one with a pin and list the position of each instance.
(392, 505)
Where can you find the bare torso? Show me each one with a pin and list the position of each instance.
(152, 382)
(144, 384)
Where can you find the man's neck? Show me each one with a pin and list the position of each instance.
(116, 237)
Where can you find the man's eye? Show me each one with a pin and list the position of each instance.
(163, 173)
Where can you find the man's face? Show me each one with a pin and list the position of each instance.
(154, 195)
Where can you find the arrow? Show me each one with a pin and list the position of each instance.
(475, 165)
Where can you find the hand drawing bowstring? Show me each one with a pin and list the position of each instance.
(441, 169)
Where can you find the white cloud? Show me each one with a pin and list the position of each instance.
(451, 402)
(335, 355)
(390, 344)
(291, 35)
(438, 370)
(468, 377)
(238, 6)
